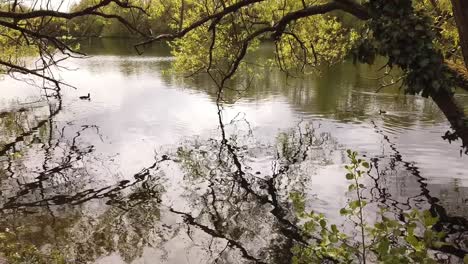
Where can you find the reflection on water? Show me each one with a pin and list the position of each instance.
(145, 172)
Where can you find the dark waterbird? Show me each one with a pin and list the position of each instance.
(87, 97)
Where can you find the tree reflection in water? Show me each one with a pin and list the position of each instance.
(47, 190)
(393, 171)
(249, 209)
(223, 199)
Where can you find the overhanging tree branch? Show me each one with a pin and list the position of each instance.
(347, 6)
(66, 15)
(23, 70)
(32, 29)
(217, 16)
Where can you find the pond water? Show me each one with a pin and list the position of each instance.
(149, 171)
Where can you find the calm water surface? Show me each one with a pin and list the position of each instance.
(141, 173)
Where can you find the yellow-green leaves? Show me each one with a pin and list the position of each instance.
(13, 46)
(314, 41)
(214, 46)
(391, 240)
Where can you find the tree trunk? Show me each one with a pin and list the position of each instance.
(456, 116)
(460, 11)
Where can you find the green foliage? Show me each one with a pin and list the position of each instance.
(13, 47)
(197, 52)
(416, 36)
(413, 35)
(388, 240)
(306, 43)
(329, 43)
(447, 38)
(157, 19)
(328, 245)
(405, 35)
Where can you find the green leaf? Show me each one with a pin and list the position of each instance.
(309, 227)
(323, 223)
(349, 176)
(413, 241)
(334, 229)
(439, 244)
(354, 204)
(343, 211)
(465, 259)
(365, 165)
(429, 220)
(383, 246)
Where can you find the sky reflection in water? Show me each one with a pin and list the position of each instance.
(140, 173)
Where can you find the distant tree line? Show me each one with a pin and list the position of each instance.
(154, 20)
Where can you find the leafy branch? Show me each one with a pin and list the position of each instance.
(389, 240)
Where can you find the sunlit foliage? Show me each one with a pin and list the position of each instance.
(416, 36)
(444, 23)
(13, 47)
(306, 44)
(150, 18)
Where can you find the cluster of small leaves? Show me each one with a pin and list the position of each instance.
(303, 45)
(330, 243)
(157, 19)
(213, 46)
(194, 53)
(356, 170)
(315, 41)
(15, 252)
(405, 35)
(408, 242)
(389, 240)
(13, 47)
(447, 39)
